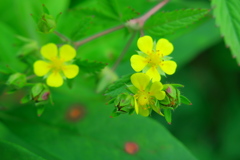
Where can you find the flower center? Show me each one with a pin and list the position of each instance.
(57, 64)
(143, 97)
(155, 59)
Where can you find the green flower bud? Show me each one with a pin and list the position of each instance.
(172, 98)
(40, 93)
(124, 103)
(46, 24)
(17, 80)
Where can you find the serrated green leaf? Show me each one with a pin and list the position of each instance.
(164, 23)
(128, 13)
(168, 115)
(118, 87)
(228, 18)
(185, 100)
(110, 7)
(90, 67)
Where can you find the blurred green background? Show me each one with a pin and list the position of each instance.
(78, 126)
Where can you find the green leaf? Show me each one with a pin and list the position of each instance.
(4, 69)
(110, 7)
(185, 100)
(164, 23)
(118, 87)
(25, 99)
(168, 115)
(8, 148)
(107, 76)
(128, 13)
(228, 18)
(90, 67)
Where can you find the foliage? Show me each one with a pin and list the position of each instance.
(72, 121)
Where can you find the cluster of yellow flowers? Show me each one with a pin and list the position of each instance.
(153, 61)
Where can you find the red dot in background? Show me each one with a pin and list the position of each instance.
(131, 147)
(75, 113)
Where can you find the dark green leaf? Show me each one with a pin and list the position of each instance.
(228, 18)
(14, 151)
(164, 23)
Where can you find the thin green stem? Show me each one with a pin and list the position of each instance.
(81, 42)
(64, 38)
(124, 51)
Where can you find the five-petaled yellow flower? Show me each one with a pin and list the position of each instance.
(57, 65)
(146, 93)
(153, 58)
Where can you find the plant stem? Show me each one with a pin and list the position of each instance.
(153, 10)
(64, 38)
(140, 21)
(124, 51)
(81, 42)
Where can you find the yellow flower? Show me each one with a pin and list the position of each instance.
(153, 58)
(56, 67)
(146, 93)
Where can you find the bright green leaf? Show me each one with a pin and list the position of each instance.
(185, 100)
(228, 18)
(164, 23)
(168, 115)
(90, 67)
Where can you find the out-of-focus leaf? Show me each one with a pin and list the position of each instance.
(107, 76)
(228, 18)
(12, 151)
(55, 135)
(90, 67)
(164, 23)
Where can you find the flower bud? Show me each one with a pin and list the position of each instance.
(46, 24)
(124, 103)
(40, 92)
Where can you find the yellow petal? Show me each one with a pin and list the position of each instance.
(160, 95)
(41, 68)
(144, 111)
(136, 105)
(140, 80)
(55, 79)
(49, 51)
(67, 52)
(70, 71)
(155, 88)
(169, 67)
(145, 44)
(153, 74)
(164, 47)
(138, 62)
